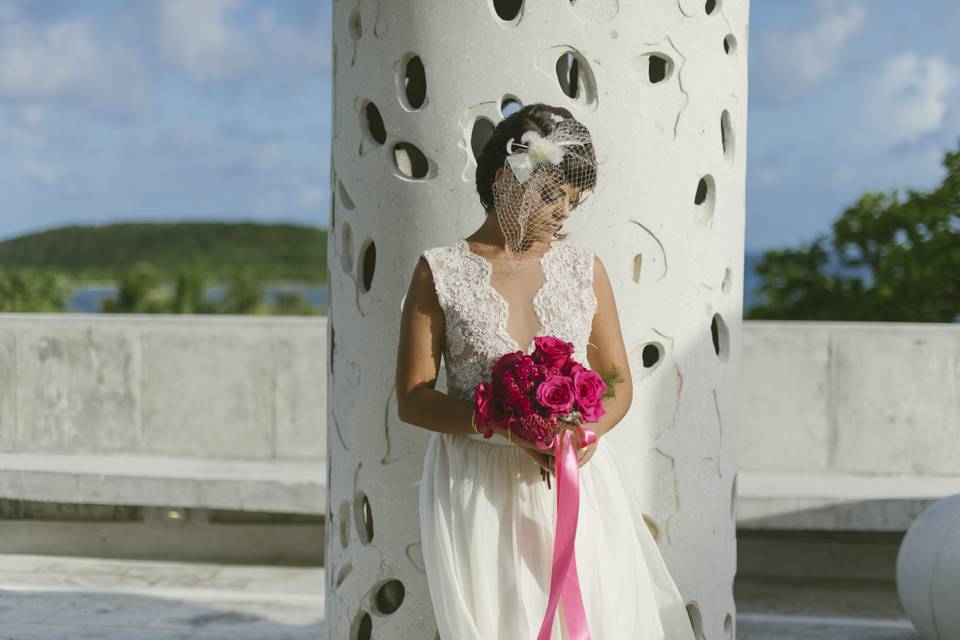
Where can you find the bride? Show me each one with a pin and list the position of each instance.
(487, 517)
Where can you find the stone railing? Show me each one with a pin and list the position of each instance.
(841, 425)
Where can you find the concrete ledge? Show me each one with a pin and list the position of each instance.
(835, 502)
(280, 487)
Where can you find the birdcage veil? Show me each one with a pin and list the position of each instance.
(546, 177)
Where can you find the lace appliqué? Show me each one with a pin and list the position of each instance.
(476, 314)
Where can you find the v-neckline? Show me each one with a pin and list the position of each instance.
(504, 305)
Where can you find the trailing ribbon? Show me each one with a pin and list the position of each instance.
(564, 582)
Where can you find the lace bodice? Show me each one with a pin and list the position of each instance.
(476, 313)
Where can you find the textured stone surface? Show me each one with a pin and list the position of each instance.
(225, 387)
(850, 398)
(667, 107)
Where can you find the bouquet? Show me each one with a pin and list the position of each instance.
(543, 398)
(538, 396)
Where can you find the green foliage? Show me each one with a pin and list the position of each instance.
(610, 377)
(216, 249)
(288, 303)
(908, 246)
(244, 295)
(138, 291)
(29, 290)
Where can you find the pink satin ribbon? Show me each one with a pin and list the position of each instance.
(564, 583)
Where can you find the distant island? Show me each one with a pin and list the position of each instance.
(87, 253)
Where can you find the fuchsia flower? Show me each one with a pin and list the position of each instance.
(556, 394)
(529, 393)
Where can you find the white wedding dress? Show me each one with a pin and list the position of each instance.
(487, 517)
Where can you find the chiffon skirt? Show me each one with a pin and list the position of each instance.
(487, 524)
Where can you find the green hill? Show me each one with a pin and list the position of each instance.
(217, 249)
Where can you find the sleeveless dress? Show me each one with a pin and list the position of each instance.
(487, 517)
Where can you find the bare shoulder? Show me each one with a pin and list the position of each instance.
(422, 288)
(600, 276)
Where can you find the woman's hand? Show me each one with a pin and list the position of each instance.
(517, 440)
(544, 460)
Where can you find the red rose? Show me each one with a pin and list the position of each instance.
(589, 386)
(506, 362)
(552, 351)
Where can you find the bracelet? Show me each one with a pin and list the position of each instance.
(473, 421)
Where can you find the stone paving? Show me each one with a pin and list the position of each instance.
(58, 598)
(61, 598)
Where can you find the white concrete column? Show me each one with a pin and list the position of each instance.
(417, 87)
(928, 570)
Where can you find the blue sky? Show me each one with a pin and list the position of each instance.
(113, 110)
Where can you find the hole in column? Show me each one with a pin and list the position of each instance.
(726, 137)
(410, 161)
(696, 620)
(704, 200)
(346, 247)
(710, 6)
(573, 74)
(390, 596)
(362, 627)
(363, 517)
(659, 68)
(728, 627)
(355, 26)
(733, 498)
(415, 82)
(372, 123)
(653, 527)
(730, 44)
(720, 336)
(701, 195)
(369, 265)
(510, 104)
(637, 265)
(482, 130)
(342, 574)
(345, 198)
(651, 354)
(343, 519)
(333, 341)
(568, 73)
(507, 9)
(727, 280)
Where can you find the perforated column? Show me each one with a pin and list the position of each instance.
(418, 86)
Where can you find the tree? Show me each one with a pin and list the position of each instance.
(138, 292)
(244, 295)
(890, 258)
(29, 290)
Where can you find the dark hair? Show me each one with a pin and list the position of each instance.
(533, 117)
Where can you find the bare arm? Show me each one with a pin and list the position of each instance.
(606, 350)
(418, 361)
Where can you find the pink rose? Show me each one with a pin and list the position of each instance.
(589, 387)
(552, 351)
(572, 367)
(556, 394)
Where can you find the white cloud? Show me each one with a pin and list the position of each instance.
(209, 41)
(792, 62)
(64, 60)
(43, 174)
(911, 96)
(201, 38)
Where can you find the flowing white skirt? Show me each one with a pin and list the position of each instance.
(487, 522)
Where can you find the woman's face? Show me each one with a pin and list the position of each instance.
(554, 202)
(550, 199)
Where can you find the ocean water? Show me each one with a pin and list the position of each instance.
(87, 298)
